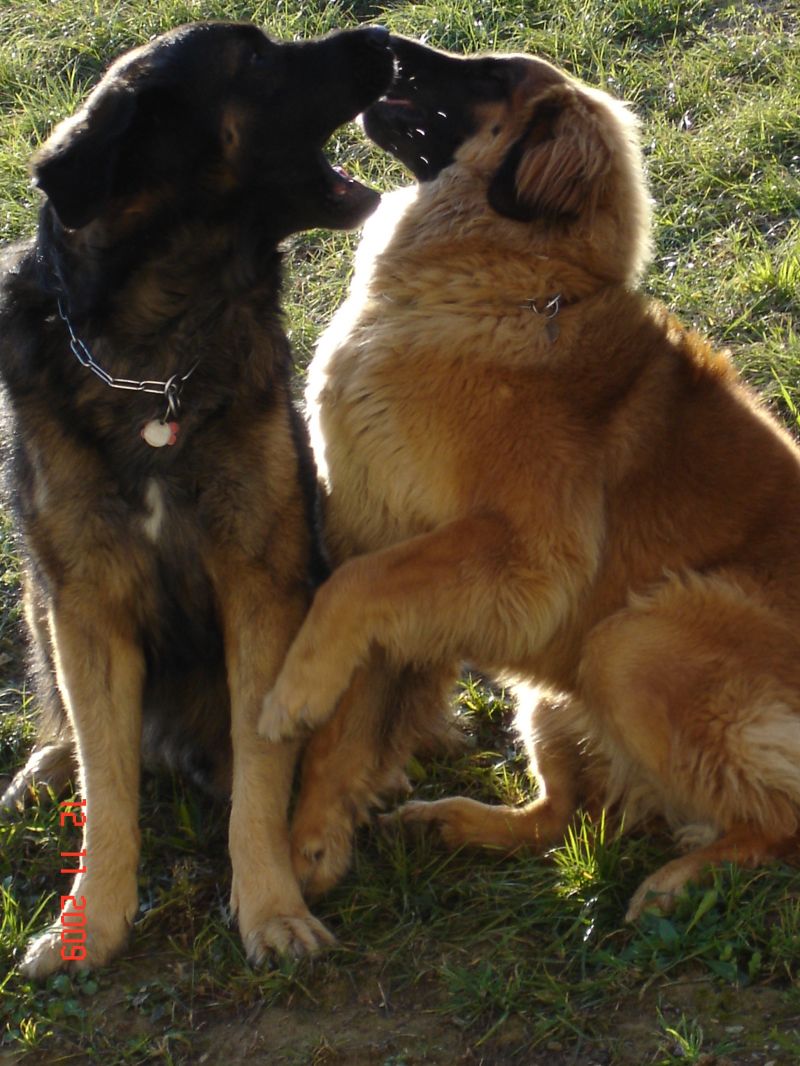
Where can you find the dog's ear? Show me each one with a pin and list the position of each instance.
(75, 166)
(552, 170)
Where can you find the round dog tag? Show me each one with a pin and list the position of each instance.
(158, 434)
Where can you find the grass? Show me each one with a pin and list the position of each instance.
(448, 955)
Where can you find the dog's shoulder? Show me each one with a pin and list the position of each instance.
(11, 256)
(23, 310)
(18, 287)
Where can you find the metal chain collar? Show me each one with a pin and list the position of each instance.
(170, 389)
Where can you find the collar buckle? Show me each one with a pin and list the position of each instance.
(550, 309)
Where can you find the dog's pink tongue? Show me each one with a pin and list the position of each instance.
(342, 186)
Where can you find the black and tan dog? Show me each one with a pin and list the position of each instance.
(163, 483)
(535, 468)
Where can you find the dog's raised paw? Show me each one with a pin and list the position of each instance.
(280, 722)
(290, 935)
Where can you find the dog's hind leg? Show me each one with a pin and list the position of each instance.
(698, 685)
(549, 731)
(260, 614)
(745, 845)
(100, 670)
(357, 759)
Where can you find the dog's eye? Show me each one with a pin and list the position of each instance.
(265, 70)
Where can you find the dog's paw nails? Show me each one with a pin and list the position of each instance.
(444, 817)
(414, 816)
(289, 936)
(413, 811)
(43, 955)
(48, 953)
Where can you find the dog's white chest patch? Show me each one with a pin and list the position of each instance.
(155, 510)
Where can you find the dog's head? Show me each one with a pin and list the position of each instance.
(546, 151)
(211, 114)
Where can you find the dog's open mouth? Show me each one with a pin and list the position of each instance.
(343, 185)
(399, 112)
(431, 107)
(347, 195)
(398, 124)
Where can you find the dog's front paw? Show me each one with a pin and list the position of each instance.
(294, 935)
(48, 953)
(325, 822)
(44, 955)
(322, 847)
(302, 699)
(285, 714)
(109, 917)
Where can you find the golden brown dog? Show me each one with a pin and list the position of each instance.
(537, 469)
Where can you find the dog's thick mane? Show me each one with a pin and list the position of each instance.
(158, 324)
(150, 272)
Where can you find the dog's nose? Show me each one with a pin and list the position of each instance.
(377, 36)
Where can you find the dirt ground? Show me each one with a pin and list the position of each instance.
(371, 1026)
(410, 1034)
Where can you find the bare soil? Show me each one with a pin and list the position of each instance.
(370, 1025)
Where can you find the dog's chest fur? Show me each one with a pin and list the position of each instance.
(374, 432)
(396, 385)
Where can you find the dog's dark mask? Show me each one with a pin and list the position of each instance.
(429, 110)
(438, 101)
(214, 112)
